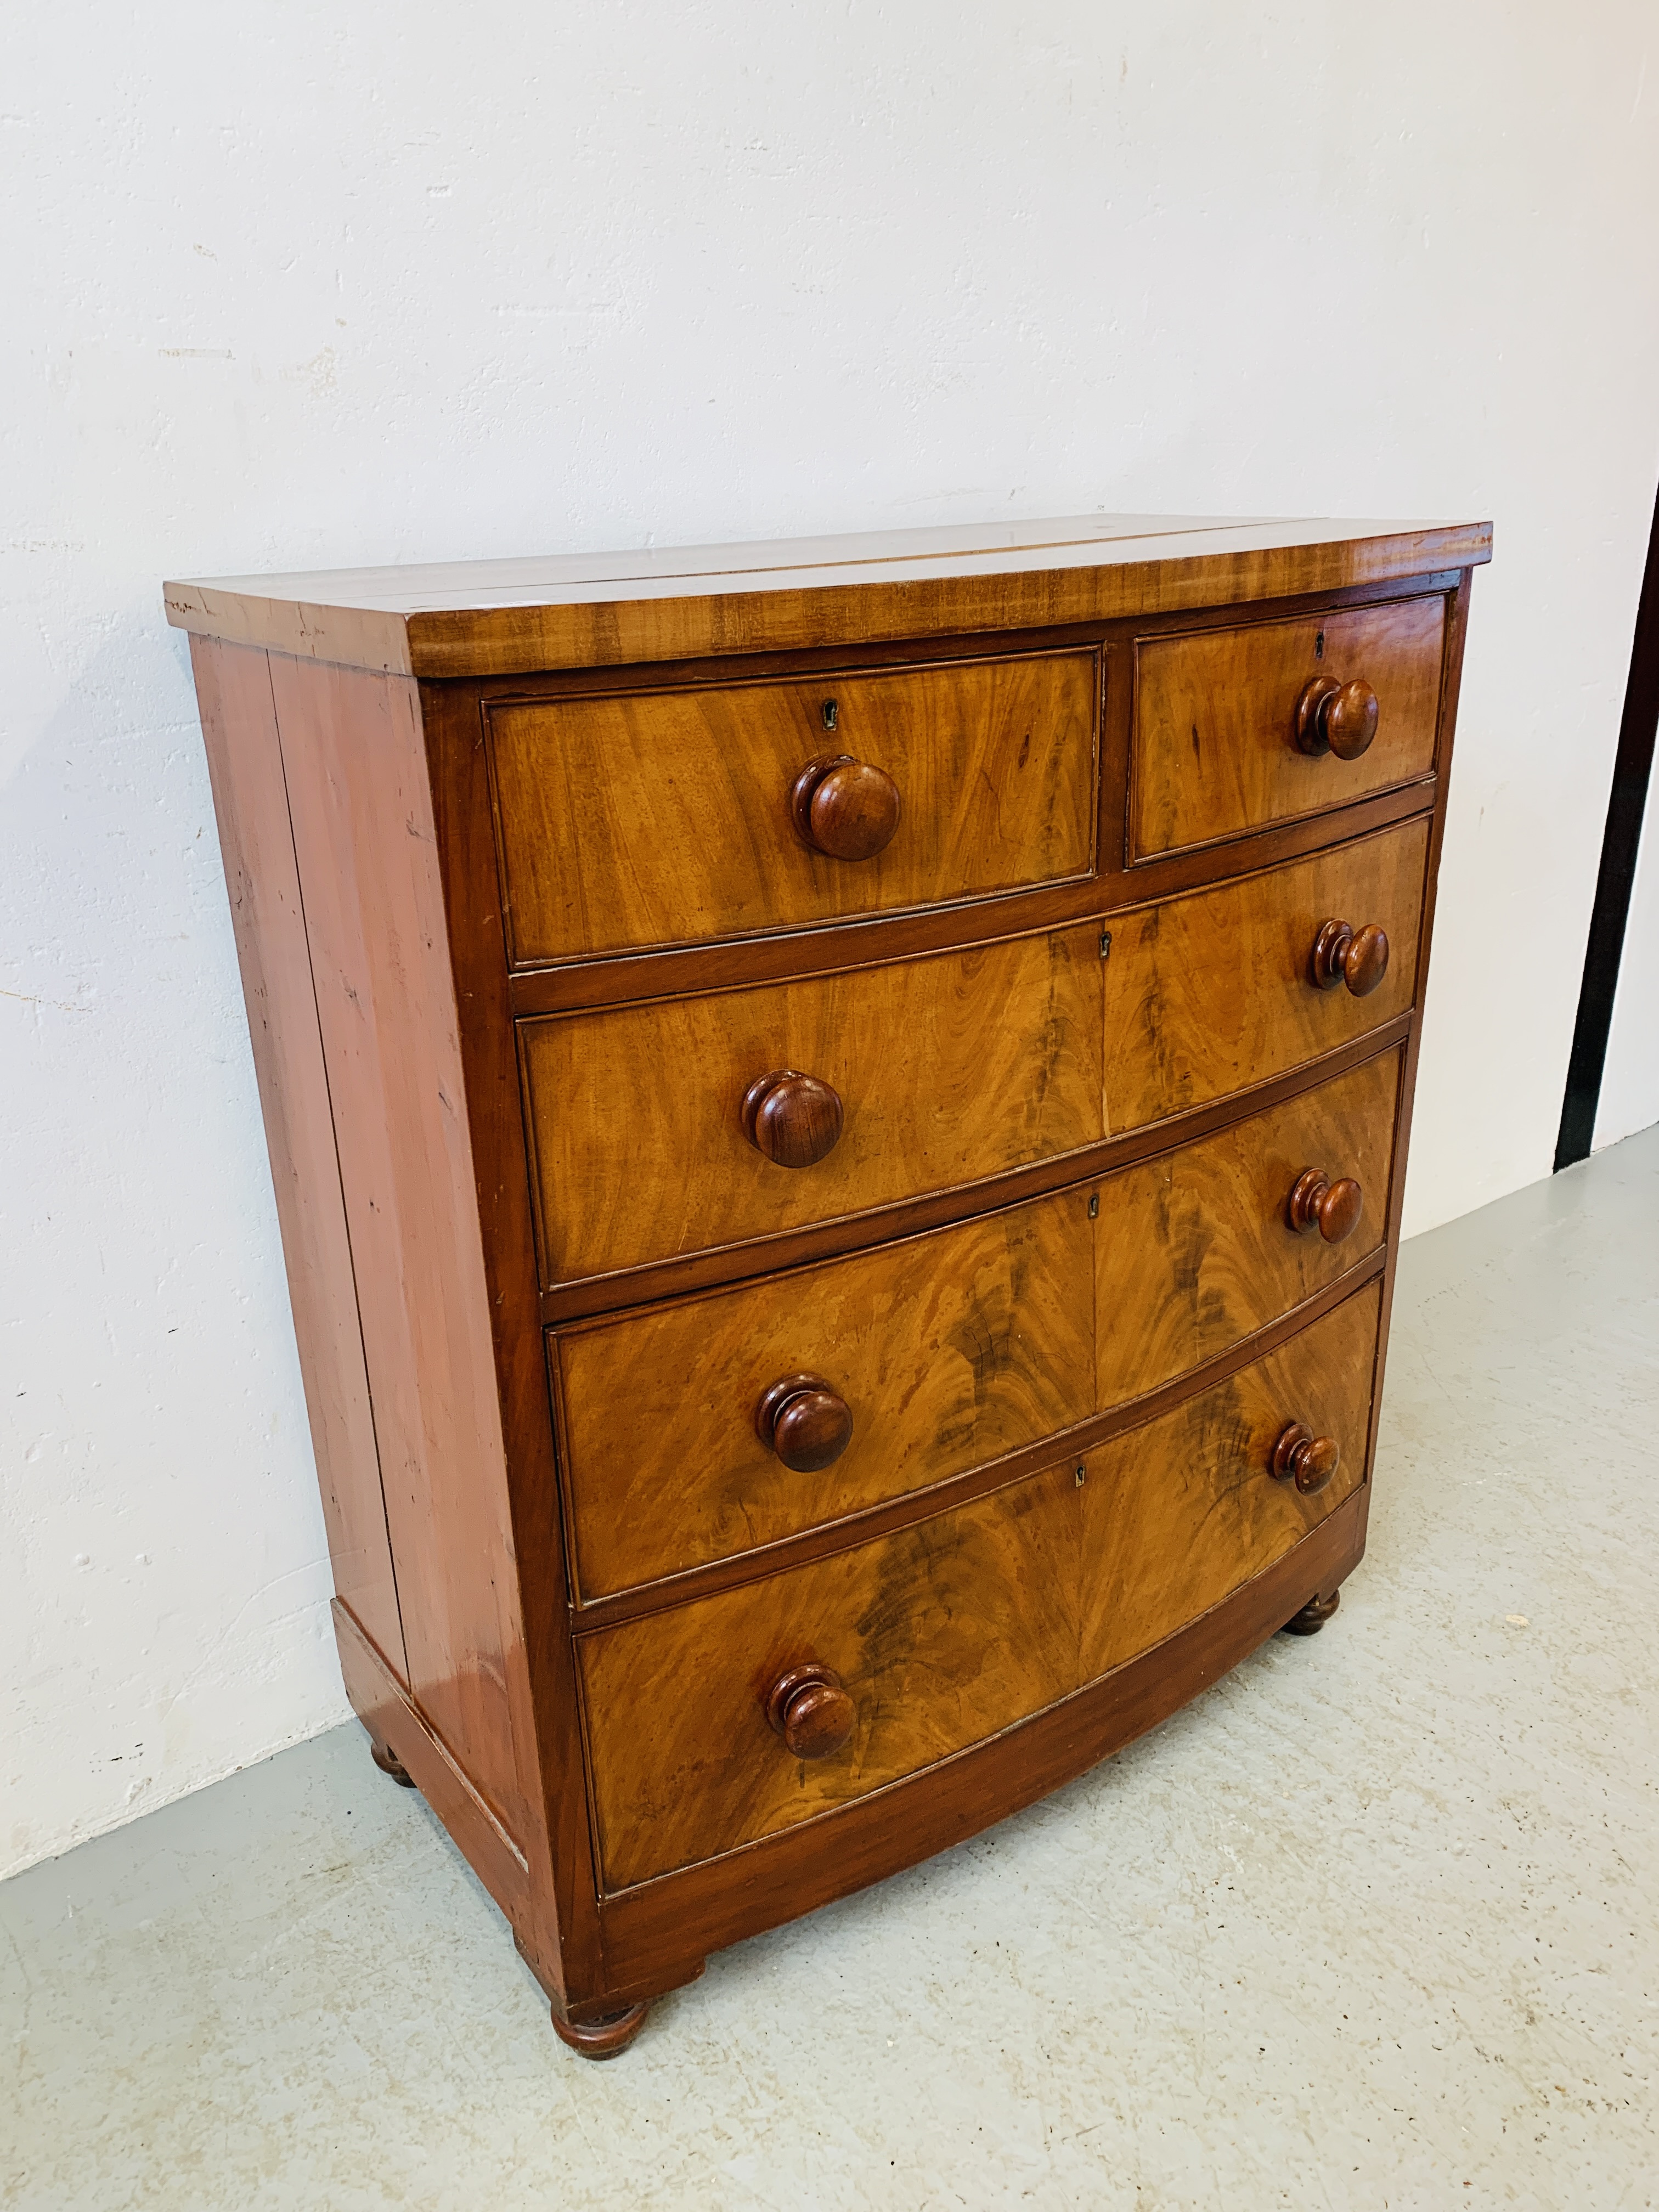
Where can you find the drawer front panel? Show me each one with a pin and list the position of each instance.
(945, 1633)
(1214, 992)
(1216, 748)
(1179, 1514)
(947, 1350)
(1195, 1250)
(664, 817)
(946, 1069)
(950, 1349)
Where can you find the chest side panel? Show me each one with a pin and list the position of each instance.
(362, 809)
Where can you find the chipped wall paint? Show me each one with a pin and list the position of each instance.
(296, 285)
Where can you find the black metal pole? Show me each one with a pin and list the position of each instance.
(1631, 769)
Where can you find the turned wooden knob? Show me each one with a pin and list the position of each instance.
(847, 808)
(805, 1421)
(793, 1118)
(1304, 1458)
(1358, 959)
(1336, 718)
(1332, 1208)
(810, 1709)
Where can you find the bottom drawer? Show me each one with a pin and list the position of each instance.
(944, 1633)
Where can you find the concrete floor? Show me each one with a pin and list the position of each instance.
(1373, 1923)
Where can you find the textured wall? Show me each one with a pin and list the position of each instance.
(290, 285)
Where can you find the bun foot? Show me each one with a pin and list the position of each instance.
(1313, 1615)
(602, 2038)
(389, 1763)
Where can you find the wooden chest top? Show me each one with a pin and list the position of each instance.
(604, 610)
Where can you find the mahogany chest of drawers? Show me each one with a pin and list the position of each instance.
(838, 1115)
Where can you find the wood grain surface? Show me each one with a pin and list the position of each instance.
(501, 618)
(361, 804)
(949, 1349)
(656, 1934)
(962, 1624)
(1208, 994)
(973, 1482)
(1203, 995)
(742, 962)
(1214, 751)
(561, 1943)
(952, 1348)
(655, 817)
(1194, 1251)
(942, 1635)
(250, 798)
(948, 1069)
(1178, 1514)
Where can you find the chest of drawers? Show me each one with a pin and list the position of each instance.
(838, 1115)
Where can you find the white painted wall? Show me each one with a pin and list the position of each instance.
(294, 284)
(1629, 1076)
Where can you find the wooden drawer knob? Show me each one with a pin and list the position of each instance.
(793, 1118)
(1332, 1208)
(1336, 718)
(1358, 959)
(810, 1709)
(845, 807)
(1304, 1458)
(806, 1422)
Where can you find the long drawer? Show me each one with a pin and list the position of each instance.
(895, 1368)
(947, 1631)
(650, 1124)
(674, 816)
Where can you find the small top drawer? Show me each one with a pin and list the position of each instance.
(673, 817)
(1238, 728)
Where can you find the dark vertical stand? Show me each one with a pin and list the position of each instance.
(1631, 771)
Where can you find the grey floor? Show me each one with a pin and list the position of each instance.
(1372, 1923)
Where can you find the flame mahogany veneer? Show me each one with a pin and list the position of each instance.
(838, 1113)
